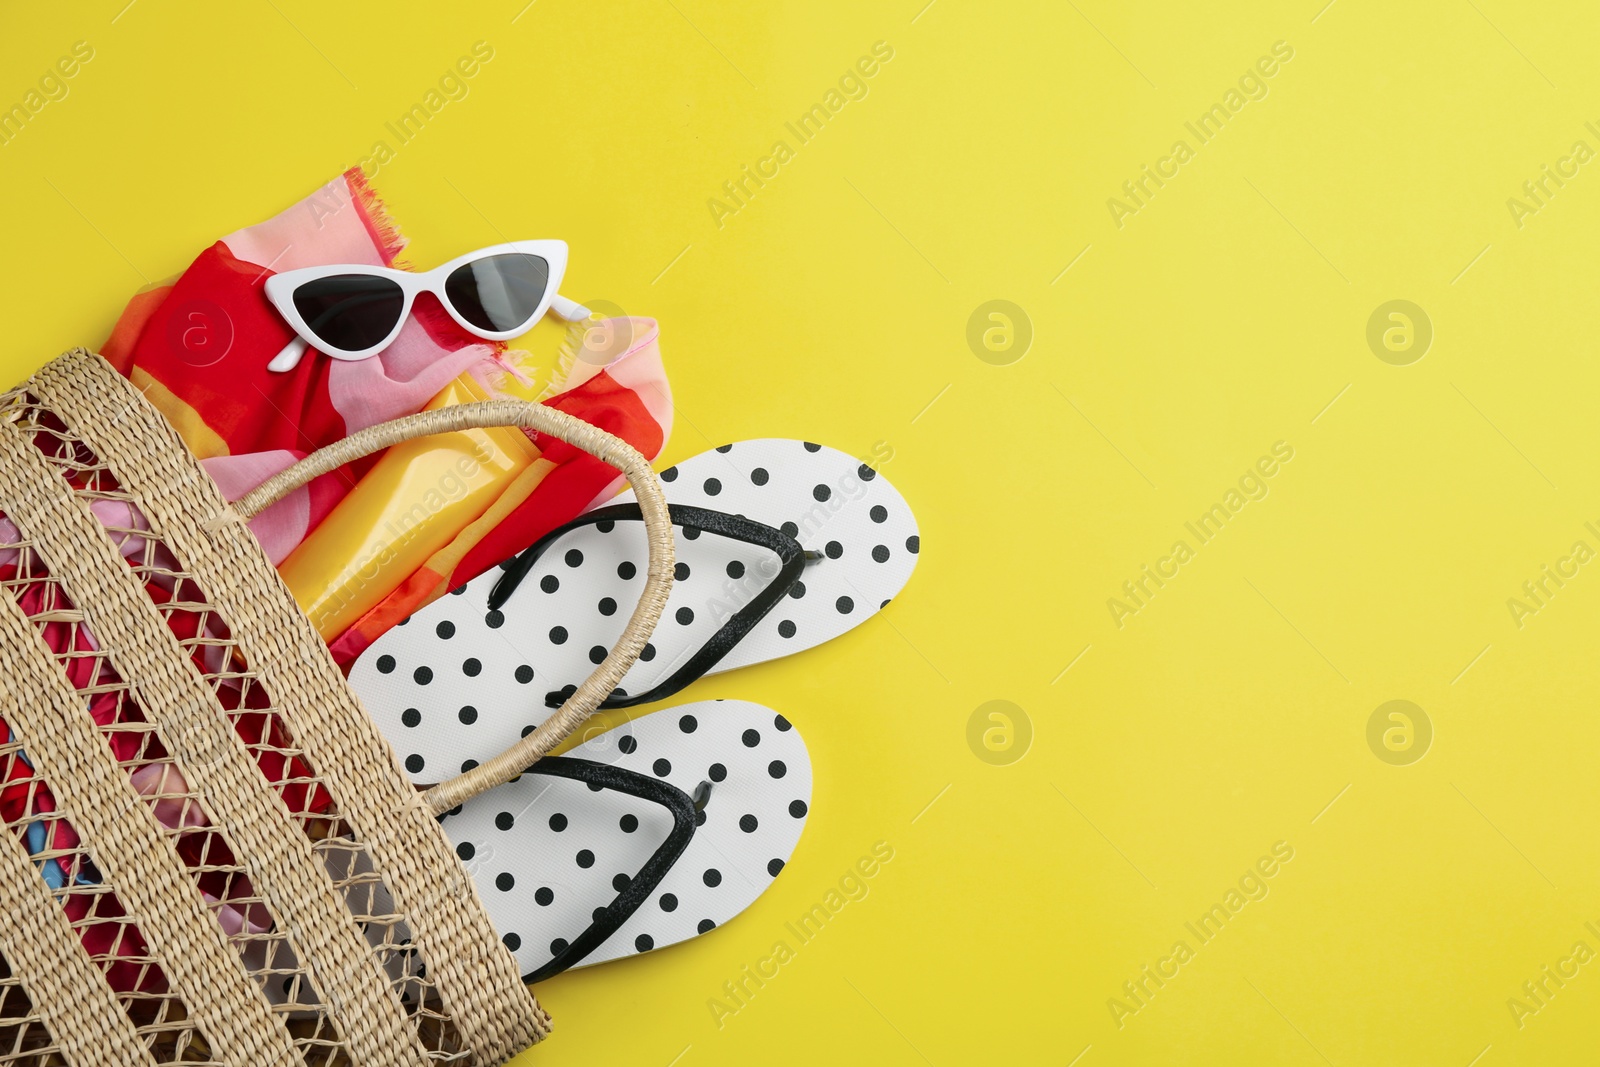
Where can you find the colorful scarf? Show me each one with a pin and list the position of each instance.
(199, 349)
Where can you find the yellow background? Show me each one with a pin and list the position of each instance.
(1224, 316)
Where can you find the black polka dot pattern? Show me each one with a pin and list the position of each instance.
(578, 596)
(548, 855)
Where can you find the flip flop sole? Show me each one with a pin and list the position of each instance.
(458, 683)
(827, 500)
(546, 852)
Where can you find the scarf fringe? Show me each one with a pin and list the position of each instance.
(391, 242)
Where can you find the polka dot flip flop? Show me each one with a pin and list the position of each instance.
(643, 836)
(781, 545)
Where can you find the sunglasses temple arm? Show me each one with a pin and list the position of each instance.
(569, 310)
(289, 358)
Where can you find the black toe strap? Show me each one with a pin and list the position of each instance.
(792, 560)
(642, 884)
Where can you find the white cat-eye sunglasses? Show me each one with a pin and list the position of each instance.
(351, 311)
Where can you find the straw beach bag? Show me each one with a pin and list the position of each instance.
(209, 853)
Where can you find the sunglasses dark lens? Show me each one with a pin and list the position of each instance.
(498, 293)
(350, 312)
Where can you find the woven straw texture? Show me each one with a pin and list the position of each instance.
(210, 855)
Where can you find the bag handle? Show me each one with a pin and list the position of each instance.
(577, 433)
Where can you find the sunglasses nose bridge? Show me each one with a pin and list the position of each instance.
(431, 306)
(432, 298)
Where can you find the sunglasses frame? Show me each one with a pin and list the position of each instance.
(280, 289)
